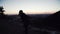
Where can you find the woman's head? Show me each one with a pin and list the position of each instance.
(21, 11)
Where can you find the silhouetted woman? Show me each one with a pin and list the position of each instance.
(25, 20)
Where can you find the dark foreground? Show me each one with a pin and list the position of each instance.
(13, 25)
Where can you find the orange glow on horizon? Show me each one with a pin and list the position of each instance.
(30, 12)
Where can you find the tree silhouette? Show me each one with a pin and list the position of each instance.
(1, 11)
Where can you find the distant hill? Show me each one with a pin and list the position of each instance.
(39, 15)
(52, 21)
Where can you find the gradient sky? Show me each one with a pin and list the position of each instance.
(30, 6)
